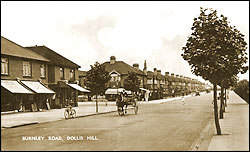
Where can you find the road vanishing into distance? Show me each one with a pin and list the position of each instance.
(169, 126)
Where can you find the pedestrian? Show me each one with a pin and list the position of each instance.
(183, 99)
(106, 102)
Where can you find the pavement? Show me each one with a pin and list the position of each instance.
(234, 127)
(13, 119)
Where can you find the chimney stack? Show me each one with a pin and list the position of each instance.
(166, 73)
(136, 66)
(112, 60)
(172, 74)
(155, 71)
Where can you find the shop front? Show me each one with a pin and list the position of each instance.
(43, 95)
(66, 94)
(15, 96)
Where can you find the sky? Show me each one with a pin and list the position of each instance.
(133, 31)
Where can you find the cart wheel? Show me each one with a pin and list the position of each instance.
(136, 109)
(73, 113)
(66, 114)
(120, 111)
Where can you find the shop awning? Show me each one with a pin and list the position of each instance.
(37, 87)
(144, 89)
(15, 87)
(77, 87)
(115, 91)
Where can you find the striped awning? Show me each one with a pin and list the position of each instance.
(15, 87)
(79, 88)
(37, 87)
(116, 91)
(144, 89)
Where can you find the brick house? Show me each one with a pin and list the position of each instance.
(119, 70)
(156, 83)
(24, 78)
(63, 77)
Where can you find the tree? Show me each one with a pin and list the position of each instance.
(242, 89)
(215, 51)
(96, 80)
(226, 84)
(132, 82)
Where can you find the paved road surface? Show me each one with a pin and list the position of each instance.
(168, 126)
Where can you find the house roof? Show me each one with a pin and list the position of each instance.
(168, 77)
(173, 78)
(12, 49)
(159, 76)
(121, 67)
(150, 74)
(54, 57)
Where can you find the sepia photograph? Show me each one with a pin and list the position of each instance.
(124, 75)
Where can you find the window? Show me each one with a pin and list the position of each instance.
(115, 77)
(149, 81)
(42, 67)
(4, 66)
(26, 68)
(162, 82)
(71, 74)
(62, 73)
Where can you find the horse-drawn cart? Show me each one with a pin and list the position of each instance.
(123, 103)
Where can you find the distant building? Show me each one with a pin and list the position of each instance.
(119, 70)
(82, 78)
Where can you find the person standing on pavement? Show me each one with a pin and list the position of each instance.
(183, 99)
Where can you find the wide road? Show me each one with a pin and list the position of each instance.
(168, 126)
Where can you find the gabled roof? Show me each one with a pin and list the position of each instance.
(159, 76)
(150, 74)
(174, 79)
(54, 57)
(168, 77)
(121, 67)
(12, 49)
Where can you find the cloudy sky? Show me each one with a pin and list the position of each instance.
(86, 32)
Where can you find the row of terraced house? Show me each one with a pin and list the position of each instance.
(36, 78)
(153, 84)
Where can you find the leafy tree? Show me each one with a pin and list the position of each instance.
(96, 80)
(132, 82)
(226, 84)
(242, 89)
(215, 51)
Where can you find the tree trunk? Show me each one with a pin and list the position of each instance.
(225, 98)
(216, 119)
(221, 101)
(96, 103)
